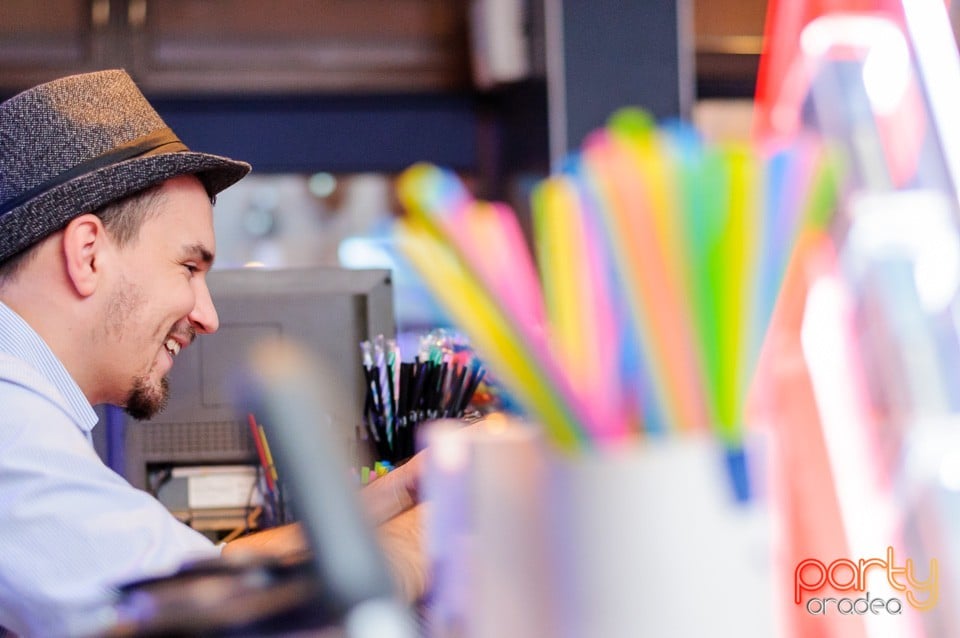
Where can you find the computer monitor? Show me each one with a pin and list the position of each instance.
(328, 309)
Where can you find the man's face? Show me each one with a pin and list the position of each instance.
(159, 301)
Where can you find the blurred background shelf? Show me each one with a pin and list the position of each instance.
(240, 46)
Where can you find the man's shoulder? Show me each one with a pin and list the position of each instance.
(21, 380)
(17, 371)
(34, 413)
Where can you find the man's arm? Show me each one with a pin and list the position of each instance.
(401, 539)
(276, 541)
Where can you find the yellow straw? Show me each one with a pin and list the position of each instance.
(583, 331)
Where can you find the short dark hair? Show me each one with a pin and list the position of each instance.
(124, 217)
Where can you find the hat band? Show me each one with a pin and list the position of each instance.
(149, 144)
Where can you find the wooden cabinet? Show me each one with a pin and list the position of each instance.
(298, 45)
(43, 40)
(241, 46)
(728, 41)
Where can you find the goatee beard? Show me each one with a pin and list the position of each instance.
(145, 401)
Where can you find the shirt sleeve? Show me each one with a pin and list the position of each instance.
(71, 528)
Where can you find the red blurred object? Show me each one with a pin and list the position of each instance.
(786, 71)
(781, 48)
(801, 480)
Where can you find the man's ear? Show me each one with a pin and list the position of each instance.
(84, 241)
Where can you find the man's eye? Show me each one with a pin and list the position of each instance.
(191, 268)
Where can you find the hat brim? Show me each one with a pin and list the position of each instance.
(50, 211)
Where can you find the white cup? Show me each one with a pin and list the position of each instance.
(649, 541)
(645, 540)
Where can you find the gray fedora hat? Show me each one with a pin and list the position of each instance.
(75, 144)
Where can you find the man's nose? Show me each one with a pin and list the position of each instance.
(204, 314)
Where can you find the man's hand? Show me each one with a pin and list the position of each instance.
(382, 500)
(394, 492)
(402, 540)
(391, 503)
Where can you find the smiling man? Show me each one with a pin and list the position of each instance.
(106, 238)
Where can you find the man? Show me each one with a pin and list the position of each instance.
(106, 236)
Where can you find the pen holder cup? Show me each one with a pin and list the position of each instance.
(647, 540)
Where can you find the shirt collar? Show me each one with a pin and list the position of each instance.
(18, 339)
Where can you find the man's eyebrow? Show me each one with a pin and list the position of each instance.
(199, 251)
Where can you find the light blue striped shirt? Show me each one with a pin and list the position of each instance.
(70, 527)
